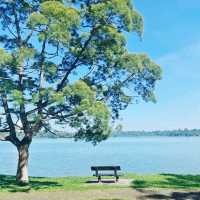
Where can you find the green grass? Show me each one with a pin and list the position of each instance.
(167, 181)
(8, 184)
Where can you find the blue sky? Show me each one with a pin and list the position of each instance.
(172, 39)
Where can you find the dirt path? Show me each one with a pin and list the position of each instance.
(108, 194)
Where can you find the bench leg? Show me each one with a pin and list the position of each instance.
(117, 178)
(99, 178)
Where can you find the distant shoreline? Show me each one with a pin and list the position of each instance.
(169, 133)
(163, 133)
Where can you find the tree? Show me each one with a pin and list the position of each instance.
(66, 62)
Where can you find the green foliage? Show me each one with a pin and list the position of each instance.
(23, 54)
(129, 18)
(58, 98)
(37, 19)
(17, 97)
(91, 116)
(80, 89)
(5, 58)
(57, 21)
(67, 62)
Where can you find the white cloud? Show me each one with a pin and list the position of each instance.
(184, 63)
(178, 95)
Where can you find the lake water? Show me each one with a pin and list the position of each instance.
(64, 157)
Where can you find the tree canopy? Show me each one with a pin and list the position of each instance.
(67, 62)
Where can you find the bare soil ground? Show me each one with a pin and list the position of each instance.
(105, 194)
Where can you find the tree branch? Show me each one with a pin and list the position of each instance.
(12, 137)
(8, 115)
(73, 66)
(9, 29)
(41, 84)
(4, 130)
(16, 24)
(4, 138)
(50, 131)
(28, 37)
(23, 117)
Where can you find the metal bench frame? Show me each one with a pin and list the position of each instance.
(98, 169)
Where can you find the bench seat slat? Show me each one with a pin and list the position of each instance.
(100, 174)
(99, 168)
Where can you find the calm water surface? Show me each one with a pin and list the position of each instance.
(64, 157)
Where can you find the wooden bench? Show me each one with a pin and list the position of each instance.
(100, 169)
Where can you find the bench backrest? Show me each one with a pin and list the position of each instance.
(95, 168)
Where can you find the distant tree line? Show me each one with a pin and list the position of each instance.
(170, 133)
(179, 132)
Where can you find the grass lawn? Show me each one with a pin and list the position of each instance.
(162, 181)
(8, 184)
(165, 181)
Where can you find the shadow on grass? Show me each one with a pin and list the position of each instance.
(109, 199)
(8, 183)
(102, 181)
(171, 196)
(170, 181)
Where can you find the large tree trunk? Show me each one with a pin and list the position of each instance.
(22, 168)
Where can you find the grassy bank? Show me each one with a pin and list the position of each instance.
(167, 181)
